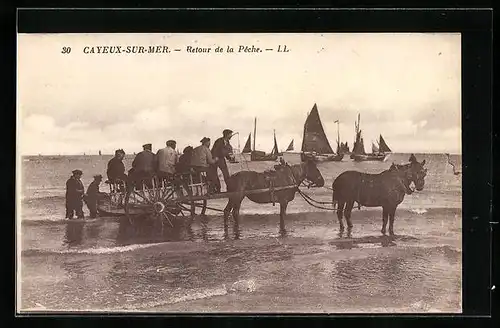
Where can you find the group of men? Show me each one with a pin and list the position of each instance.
(164, 164)
(75, 195)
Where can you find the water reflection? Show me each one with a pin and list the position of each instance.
(93, 230)
(145, 229)
(74, 234)
(236, 231)
(383, 241)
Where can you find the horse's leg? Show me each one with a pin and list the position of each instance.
(227, 211)
(283, 206)
(385, 215)
(340, 213)
(236, 217)
(392, 214)
(347, 215)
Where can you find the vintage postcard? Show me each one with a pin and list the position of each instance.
(217, 173)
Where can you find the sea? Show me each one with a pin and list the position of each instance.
(109, 264)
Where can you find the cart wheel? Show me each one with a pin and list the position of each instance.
(148, 201)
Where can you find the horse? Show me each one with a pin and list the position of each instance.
(386, 189)
(283, 176)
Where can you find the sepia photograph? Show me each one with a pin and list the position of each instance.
(239, 173)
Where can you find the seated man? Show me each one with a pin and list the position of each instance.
(143, 167)
(202, 161)
(184, 163)
(116, 169)
(167, 160)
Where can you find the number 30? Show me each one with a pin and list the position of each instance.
(66, 50)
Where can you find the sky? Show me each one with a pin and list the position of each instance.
(406, 87)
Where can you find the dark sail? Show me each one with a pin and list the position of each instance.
(314, 139)
(359, 147)
(383, 148)
(275, 148)
(248, 149)
(290, 146)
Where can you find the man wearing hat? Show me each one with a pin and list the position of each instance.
(74, 195)
(184, 163)
(143, 166)
(222, 150)
(116, 168)
(203, 161)
(93, 195)
(167, 159)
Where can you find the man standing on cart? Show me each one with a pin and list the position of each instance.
(203, 161)
(222, 150)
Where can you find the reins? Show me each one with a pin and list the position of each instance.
(311, 201)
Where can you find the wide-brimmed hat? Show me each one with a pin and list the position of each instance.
(227, 132)
(148, 145)
(98, 176)
(77, 172)
(205, 139)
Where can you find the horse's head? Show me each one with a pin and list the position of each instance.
(415, 172)
(312, 173)
(412, 172)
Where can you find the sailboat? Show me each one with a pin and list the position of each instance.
(382, 146)
(358, 151)
(248, 146)
(344, 148)
(290, 146)
(315, 144)
(257, 155)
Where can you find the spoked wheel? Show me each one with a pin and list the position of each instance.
(150, 201)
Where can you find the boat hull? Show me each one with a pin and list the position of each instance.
(322, 157)
(369, 157)
(260, 156)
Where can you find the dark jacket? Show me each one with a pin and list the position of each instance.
(184, 163)
(93, 190)
(145, 161)
(116, 169)
(74, 189)
(221, 149)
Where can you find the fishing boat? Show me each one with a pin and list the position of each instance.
(315, 144)
(257, 155)
(358, 151)
(344, 148)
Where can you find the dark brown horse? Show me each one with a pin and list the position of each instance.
(386, 189)
(285, 175)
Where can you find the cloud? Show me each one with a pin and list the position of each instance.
(80, 103)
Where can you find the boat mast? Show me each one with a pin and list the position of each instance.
(338, 135)
(254, 132)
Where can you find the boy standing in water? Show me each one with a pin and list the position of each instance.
(74, 195)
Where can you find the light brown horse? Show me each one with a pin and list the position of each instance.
(285, 175)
